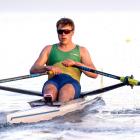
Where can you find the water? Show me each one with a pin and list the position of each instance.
(116, 116)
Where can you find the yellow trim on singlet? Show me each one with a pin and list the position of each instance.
(73, 72)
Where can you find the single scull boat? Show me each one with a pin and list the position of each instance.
(43, 112)
(40, 111)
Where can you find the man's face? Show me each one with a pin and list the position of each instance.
(65, 34)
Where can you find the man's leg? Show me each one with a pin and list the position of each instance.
(66, 93)
(50, 90)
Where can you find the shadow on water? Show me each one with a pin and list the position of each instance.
(127, 112)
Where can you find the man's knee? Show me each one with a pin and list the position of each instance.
(66, 93)
(50, 90)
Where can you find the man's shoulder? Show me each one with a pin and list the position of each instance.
(48, 48)
(82, 48)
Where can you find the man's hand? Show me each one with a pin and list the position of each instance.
(54, 70)
(68, 63)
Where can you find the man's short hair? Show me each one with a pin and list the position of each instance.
(64, 22)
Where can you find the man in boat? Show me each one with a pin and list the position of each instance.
(63, 82)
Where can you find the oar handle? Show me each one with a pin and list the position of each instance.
(40, 74)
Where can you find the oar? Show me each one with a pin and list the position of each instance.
(102, 90)
(23, 91)
(22, 77)
(127, 80)
(83, 94)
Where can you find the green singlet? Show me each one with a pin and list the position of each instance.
(57, 56)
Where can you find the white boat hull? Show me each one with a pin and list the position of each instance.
(46, 112)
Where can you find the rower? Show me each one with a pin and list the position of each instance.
(59, 58)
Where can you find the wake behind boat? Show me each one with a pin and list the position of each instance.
(47, 112)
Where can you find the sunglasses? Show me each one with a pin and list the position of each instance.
(64, 31)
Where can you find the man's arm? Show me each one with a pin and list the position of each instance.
(86, 61)
(40, 64)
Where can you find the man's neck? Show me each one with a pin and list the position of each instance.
(66, 47)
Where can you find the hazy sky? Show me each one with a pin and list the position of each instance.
(68, 5)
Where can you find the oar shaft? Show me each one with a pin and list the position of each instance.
(102, 73)
(102, 90)
(17, 90)
(98, 72)
(21, 77)
(130, 81)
